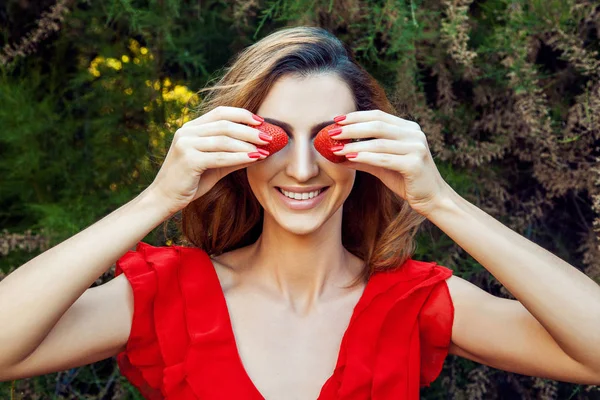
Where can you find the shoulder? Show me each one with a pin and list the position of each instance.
(425, 270)
(151, 264)
(230, 267)
(461, 290)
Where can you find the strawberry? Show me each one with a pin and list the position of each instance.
(280, 138)
(324, 142)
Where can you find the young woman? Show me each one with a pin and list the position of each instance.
(283, 298)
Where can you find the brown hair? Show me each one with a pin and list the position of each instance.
(377, 225)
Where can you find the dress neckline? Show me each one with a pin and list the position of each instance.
(240, 364)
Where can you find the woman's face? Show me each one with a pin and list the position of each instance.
(302, 103)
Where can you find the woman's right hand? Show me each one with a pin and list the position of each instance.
(202, 152)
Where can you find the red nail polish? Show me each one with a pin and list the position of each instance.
(337, 148)
(256, 117)
(265, 137)
(263, 152)
(351, 155)
(339, 118)
(254, 154)
(334, 132)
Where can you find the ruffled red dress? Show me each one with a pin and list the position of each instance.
(182, 346)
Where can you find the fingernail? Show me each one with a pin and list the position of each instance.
(263, 152)
(266, 137)
(335, 131)
(254, 154)
(337, 148)
(256, 117)
(351, 155)
(339, 118)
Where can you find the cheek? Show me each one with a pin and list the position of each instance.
(260, 174)
(343, 175)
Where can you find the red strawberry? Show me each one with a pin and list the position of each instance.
(324, 142)
(280, 138)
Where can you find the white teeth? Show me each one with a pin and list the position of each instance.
(301, 196)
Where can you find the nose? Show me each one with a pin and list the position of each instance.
(302, 161)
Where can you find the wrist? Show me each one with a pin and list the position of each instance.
(154, 202)
(445, 203)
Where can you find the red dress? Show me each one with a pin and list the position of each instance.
(182, 346)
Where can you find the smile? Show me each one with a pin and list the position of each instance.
(301, 201)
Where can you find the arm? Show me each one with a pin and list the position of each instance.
(37, 294)
(556, 317)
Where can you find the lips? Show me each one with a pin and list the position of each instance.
(302, 204)
(321, 190)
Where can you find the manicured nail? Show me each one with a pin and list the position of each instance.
(256, 117)
(339, 118)
(254, 154)
(337, 148)
(335, 131)
(351, 155)
(266, 137)
(263, 152)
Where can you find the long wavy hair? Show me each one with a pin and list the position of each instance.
(377, 225)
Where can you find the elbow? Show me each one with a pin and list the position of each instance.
(6, 374)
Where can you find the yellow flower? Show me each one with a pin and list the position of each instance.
(179, 93)
(128, 91)
(114, 63)
(144, 50)
(125, 58)
(134, 45)
(93, 68)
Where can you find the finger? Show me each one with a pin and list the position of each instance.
(375, 129)
(207, 160)
(382, 146)
(378, 115)
(216, 143)
(401, 163)
(224, 128)
(226, 171)
(235, 114)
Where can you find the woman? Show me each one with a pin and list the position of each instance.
(278, 298)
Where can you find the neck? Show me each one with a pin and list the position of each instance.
(304, 269)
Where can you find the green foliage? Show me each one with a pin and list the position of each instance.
(88, 112)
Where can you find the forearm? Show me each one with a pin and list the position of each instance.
(37, 294)
(563, 299)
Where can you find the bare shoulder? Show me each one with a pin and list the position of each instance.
(464, 295)
(458, 286)
(229, 267)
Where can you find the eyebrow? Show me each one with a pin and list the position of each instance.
(288, 128)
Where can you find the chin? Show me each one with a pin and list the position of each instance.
(301, 224)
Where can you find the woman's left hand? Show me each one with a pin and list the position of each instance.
(397, 153)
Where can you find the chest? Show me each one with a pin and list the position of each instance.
(285, 355)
